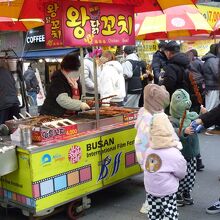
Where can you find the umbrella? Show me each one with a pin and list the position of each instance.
(216, 30)
(13, 24)
(23, 9)
(179, 22)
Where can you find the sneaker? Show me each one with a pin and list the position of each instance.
(214, 209)
(188, 200)
(199, 165)
(179, 200)
(145, 208)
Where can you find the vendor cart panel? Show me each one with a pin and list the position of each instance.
(51, 177)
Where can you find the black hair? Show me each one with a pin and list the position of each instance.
(194, 52)
(173, 47)
(162, 44)
(71, 62)
(213, 49)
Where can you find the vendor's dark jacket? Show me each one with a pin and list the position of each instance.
(159, 62)
(210, 70)
(58, 85)
(174, 72)
(211, 118)
(8, 93)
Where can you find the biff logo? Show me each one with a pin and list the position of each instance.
(46, 159)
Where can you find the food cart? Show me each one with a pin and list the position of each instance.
(55, 172)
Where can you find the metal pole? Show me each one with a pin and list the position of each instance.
(82, 76)
(96, 93)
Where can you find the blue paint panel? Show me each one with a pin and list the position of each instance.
(60, 182)
(46, 187)
(28, 201)
(9, 195)
(33, 203)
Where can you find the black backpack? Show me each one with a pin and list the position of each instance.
(192, 81)
(134, 83)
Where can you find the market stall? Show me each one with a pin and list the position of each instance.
(61, 160)
(71, 161)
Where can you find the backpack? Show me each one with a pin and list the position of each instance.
(134, 83)
(194, 82)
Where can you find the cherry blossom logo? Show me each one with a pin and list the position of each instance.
(178, 22)
(75, 154)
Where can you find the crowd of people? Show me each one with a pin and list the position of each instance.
(173, 107)
(169, 175)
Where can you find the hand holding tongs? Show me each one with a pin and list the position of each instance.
(91, 103)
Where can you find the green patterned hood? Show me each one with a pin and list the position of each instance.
(180, 102)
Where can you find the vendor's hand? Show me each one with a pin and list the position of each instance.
(203, 110)
(84, 106)
(90, 103)
(189, 131)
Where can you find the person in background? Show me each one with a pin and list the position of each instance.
(9, 104)
(112, 81)
(159, 61)
(89, 70)
(32, 85)
(64, 91)
(208, 119)
(164, 166)
(175, 70)
(211, 71)
(133, 95)
(196, 63)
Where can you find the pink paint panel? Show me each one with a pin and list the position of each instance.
(85, 174)
(19, 198)
(36, 190)
(23, 199)
(130, 159)
(1, 192)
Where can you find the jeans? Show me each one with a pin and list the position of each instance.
(34, 97)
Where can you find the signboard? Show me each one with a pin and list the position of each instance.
(86, 24)
(53, 24)
(35, 39)
(211, 14)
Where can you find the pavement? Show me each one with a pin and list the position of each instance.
(123, 201)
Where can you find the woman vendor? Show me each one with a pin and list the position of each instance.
(63, 95)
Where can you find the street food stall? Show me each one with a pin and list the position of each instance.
(70, 158)
(62, 160)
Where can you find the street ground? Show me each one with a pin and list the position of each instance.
(123, 201)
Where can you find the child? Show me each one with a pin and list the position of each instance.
(156, 98)
(180, 103)
(164, 167)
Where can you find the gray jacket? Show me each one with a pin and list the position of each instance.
(8, 93)
(211, 71)
(30, 78)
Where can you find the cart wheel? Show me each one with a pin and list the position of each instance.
(71, 209)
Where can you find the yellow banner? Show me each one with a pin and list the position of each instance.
(202, 46)
(211, 14)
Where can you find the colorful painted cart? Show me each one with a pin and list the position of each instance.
(55, 174)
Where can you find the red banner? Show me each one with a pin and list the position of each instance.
(91, 24)
(53, 25)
